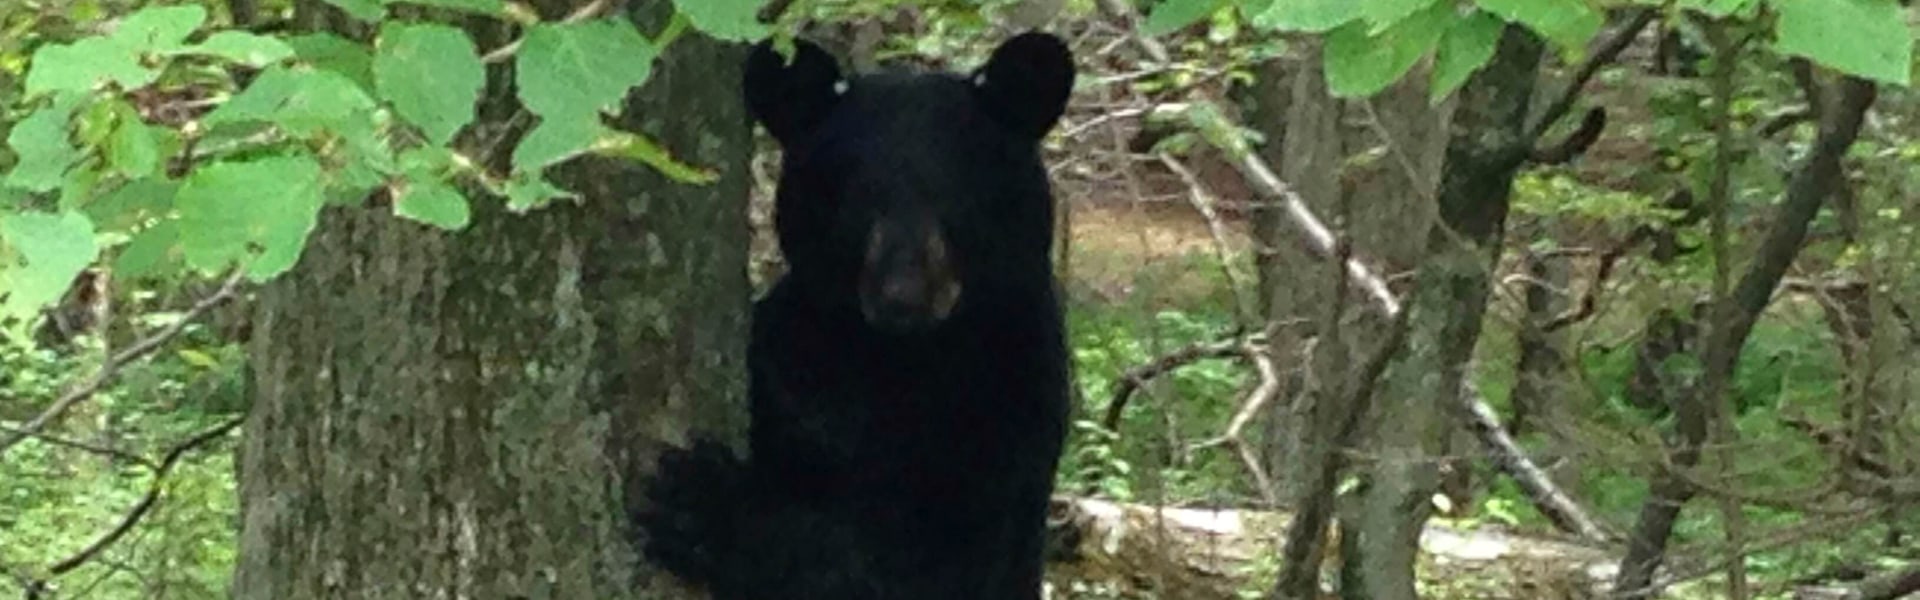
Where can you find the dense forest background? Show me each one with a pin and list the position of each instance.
(1376, 299)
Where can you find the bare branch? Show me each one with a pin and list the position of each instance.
(1256, 401)
(1132, 380)
(114, 453)
(1602, 55)
(139, 350)
(1509, 457)
(140, 509)
(1576, 143)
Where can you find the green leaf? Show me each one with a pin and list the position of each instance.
(1172, 15)
(1467, 46)
(242, 47)
(301, 100)
(149, 251)
(85, 65)
(582, 68)
(41, 143)
(334, 53)
(1359, 64)
(1567, 23)
(555, 140)
(434, 203)
(51, 250)
(132, 203)
(432, 75)
(1309, 16)
(258, 212)
(365, 10)
(134, 147)
(484, 7)
(160, 28)
(1867, 38)
(734, 20)
(527, 191)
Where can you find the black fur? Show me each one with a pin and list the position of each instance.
(909, 463)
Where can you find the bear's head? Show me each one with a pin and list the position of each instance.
(906, 198)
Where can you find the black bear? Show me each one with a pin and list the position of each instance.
(908, 374)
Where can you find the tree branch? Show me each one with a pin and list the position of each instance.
(120, 360)
(1576, 143)
(81, 446)
(590, 10)
(1134, 378)
(1812, 183)
(146, 503)
(1510, 458)
(1601, 56)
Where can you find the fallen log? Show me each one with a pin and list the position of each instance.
(1105, 549)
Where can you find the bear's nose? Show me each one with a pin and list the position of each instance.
(900, 304)
(906, 283)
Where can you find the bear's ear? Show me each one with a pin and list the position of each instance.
(790, 98)
(1026, 82)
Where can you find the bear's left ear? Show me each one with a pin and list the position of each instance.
(790, 99)
(1026, 82)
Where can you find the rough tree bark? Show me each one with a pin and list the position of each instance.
(1311, 135)
(1488, 145)
(468, 415)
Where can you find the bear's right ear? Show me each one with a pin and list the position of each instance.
(790, 99)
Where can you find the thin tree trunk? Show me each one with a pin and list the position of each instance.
(1732, 319)
(1369, 205)
(1540, 358)
(1410, 428)
(468, 415)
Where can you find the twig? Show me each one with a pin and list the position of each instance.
(146, 503)
(1784, 121)
(1779, 539)
(1134, 378)
(590, 10)
(1589, 301)
(82, 446)
(1256, 401)
(120, 360)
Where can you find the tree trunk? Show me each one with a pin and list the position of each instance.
(1370, 205)
(469, 415)
(1409, 422)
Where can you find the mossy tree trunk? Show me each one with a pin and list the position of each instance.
(1409, 424)
(470, 415)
